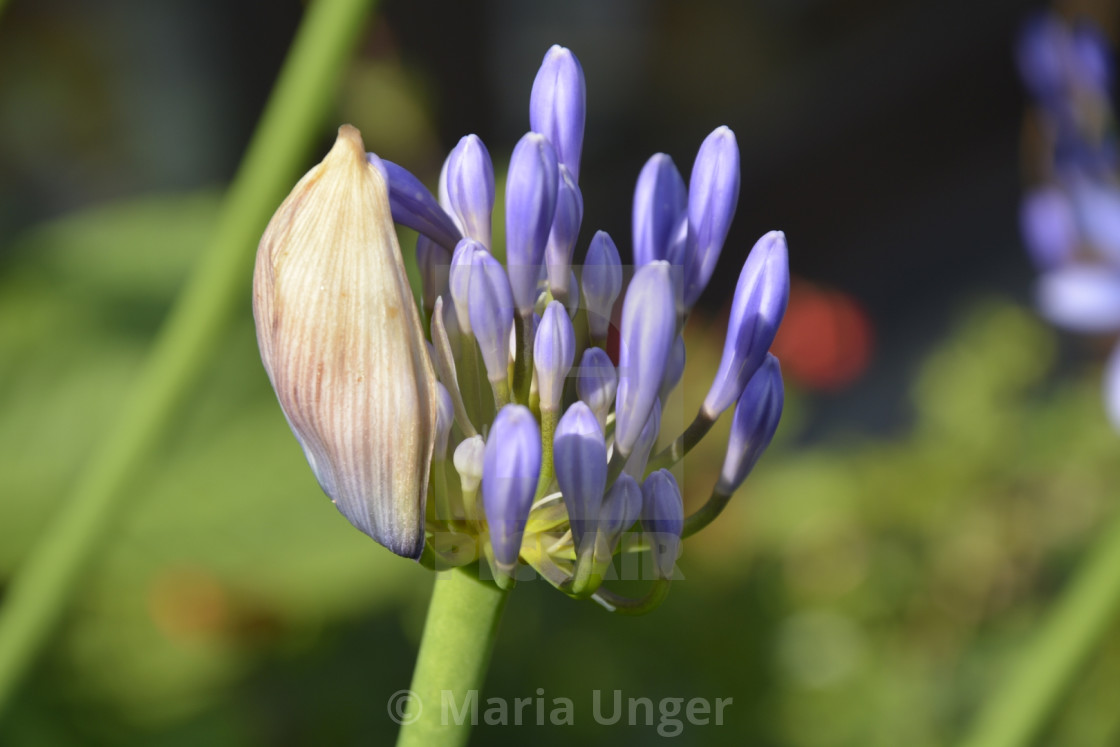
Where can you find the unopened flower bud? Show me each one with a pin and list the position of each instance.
(531, 186)
(713, 195)
(562, 238)
(491, 312)
(602, 282)
(554, 349)
(341, 340)
(558, 104)
(663, 520)
(414, 206)
(580, 458)
(756, 311)
(512, 466)
(648, 329)
(469, 176)
(622, 506)
(597, 383)
(660, 212)
(468, 459)
(459, 281)
(752, 428)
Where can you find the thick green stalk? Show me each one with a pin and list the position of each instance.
(217, 286)
(1031, 692)
(455, 650)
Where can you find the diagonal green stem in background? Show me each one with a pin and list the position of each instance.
(1031, 692)
(302, 97)
(459, 635)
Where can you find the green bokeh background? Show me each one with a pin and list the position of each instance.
(862, 589)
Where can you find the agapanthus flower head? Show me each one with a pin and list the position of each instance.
(538, 461)
(1071, 221)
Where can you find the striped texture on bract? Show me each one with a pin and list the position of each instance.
(342, 343)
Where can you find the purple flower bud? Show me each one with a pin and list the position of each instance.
(470, 187)
(558, 104)
(713, 194)
(602, 282)
(597, 382)
(434, 262)
(531, 186)
(622, 506)
(580, 457)
(1084, 298)
(1049, 227)
(648, 327)
(412, 205)
(468, 460)
(760, 302)
(674, 369)
(660, 210)
(756, 418)
(459, 281)
(445, 416)
(554, 349)
(565, 230)
(663, 520)
(511, 467)
(491, 311)
(636, 463)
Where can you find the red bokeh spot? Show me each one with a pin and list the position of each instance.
(826, 339)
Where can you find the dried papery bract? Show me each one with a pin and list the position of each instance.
(342, 343)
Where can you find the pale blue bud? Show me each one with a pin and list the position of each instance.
(558, 104)
(459, 281)
(491, 312)
(511, 468)
(531, 187)
(622, 506)
(602, 282)
(756, 419)
(660, 212)
(580, 459)
(713, 194)
(756, 311)
(648, 327)
(663, 520)
(597, 382)
(565, 230)
(469, 181)
(554, 350)
(414, 206)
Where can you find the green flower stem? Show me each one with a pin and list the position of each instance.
(455, 649)
(217, 287)
(523, 363)
(549, 419)
(706, 514)
(675, 451)
(1081, 618)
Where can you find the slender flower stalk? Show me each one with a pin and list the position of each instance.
(304, 91)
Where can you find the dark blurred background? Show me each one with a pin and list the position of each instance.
(932, 485)
(857, 119)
